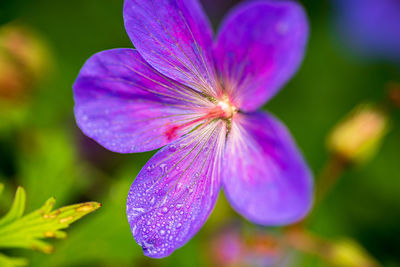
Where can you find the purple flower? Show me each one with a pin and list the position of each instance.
(370, 27)
(198, 99)
(236, 245)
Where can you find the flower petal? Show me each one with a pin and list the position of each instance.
(173, 36)
(176, 190)
(259, 47)
(127, 106)
(265, 177)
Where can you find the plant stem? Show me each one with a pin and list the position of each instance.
(329, 176)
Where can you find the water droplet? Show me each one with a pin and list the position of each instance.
(164, 201)
(147, 247)
(165, 210)
(134, 212)
(172, 148)
(162, 232)
(134, 229)
(282, 28)
(163, 167)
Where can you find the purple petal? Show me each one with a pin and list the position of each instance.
(174, 36)
(259, 47)
(176, 190)
(265, 177)
(127, 106)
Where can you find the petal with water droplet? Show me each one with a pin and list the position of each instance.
(127, 106)
(167, 205)
(174, 37)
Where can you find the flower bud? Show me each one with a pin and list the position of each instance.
(358, 137)
(394, 94)
(349, 253)
(24, 60)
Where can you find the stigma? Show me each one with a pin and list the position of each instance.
(226, 109)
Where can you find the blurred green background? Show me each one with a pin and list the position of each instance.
(42, 149)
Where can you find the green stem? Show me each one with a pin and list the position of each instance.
(329, 176)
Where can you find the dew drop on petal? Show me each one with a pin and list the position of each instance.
(134, 229)
(163, 168)
(282, 28)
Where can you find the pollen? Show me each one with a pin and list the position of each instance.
(228, 110)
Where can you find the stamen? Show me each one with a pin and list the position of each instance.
(222, 110)
(227, 109)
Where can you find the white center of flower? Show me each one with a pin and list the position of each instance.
(227, 108)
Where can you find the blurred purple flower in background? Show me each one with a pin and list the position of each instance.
(199, 98)
(370, 27)
(234, 245)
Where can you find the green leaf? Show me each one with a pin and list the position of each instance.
(28, 231)
(104, 239)
(17, 208)
(6, 261)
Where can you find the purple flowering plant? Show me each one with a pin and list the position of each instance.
(198, 98)
(370, 27)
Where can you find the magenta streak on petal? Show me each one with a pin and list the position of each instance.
(176, 190)
(127, 106)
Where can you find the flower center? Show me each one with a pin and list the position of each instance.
(225, 108)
